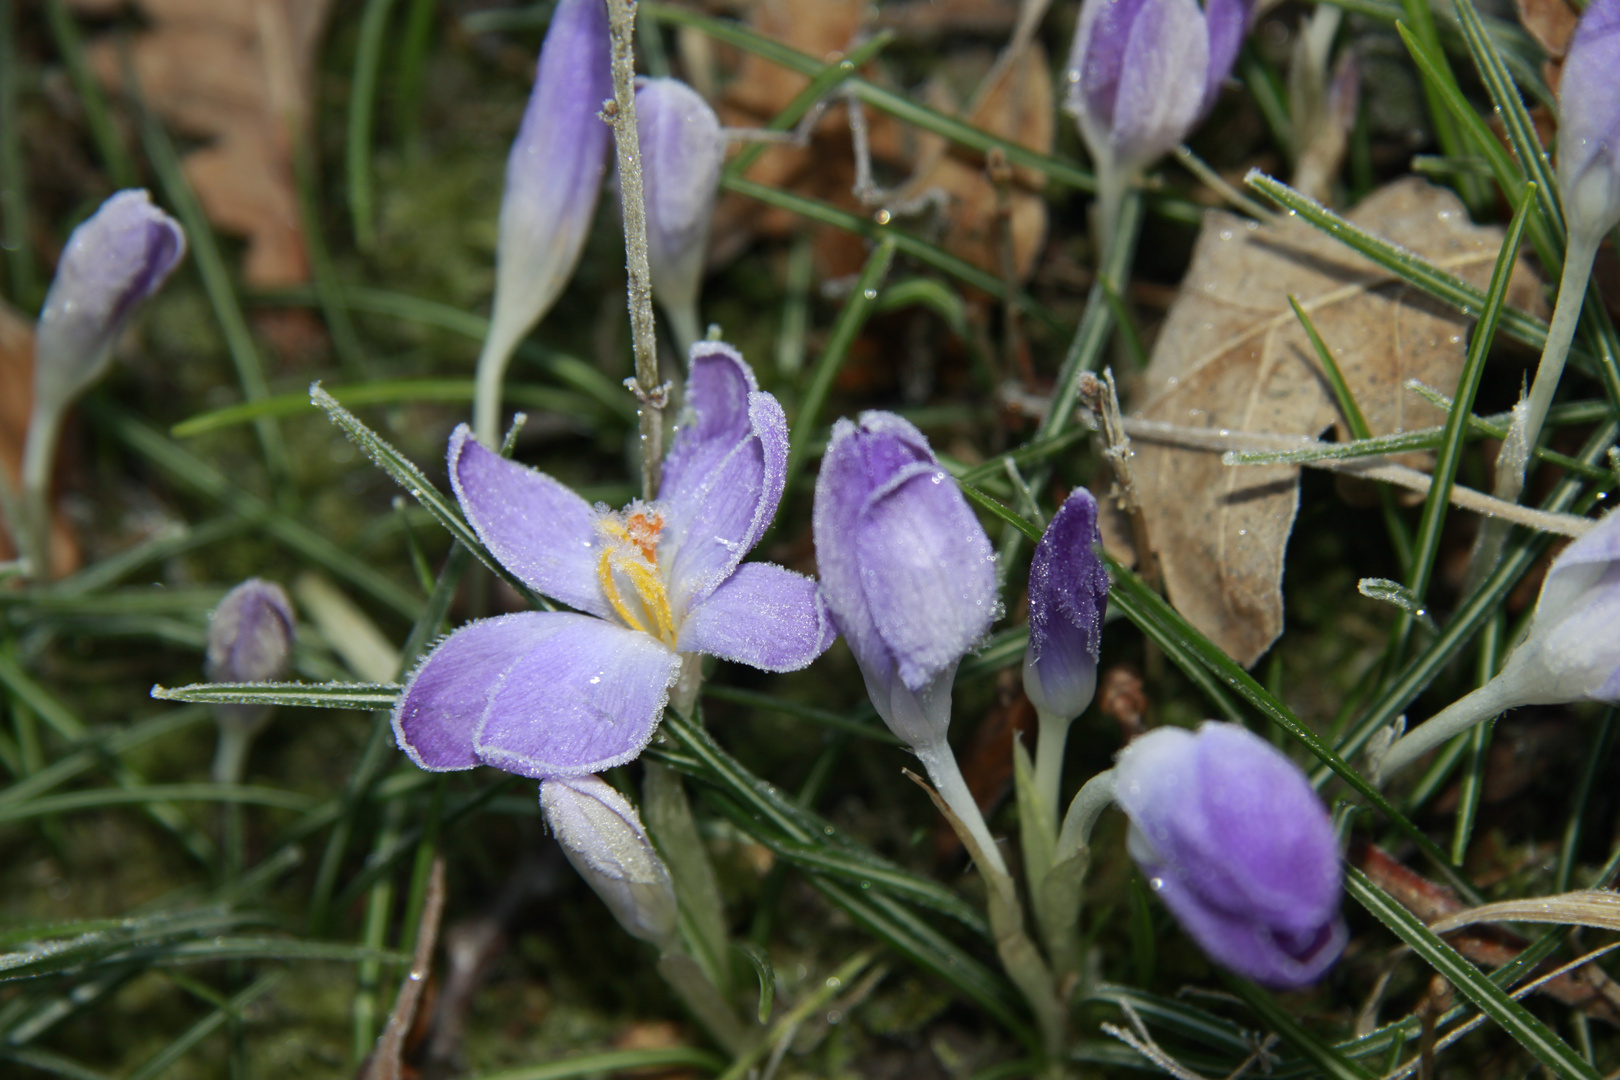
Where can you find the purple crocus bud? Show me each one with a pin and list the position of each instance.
(1234, 840)
(1589, 123)
(602, 836)
(112, 262)
(1571, 653)
(1143, 72)
(1068, 593)
(681, 150)
(250, 634)
(250, 638)
(905, 567)
(553, 177)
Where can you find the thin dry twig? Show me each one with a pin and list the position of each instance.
(1142, 1042)
(385, 1059)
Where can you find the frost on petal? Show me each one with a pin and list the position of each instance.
(683, 150)
(1068, 593)
(1161, 84)
(444, 698)
(927, 571)
(723, 477)
(585, 701)
(602, 836)
(1578, 566)
(1096, 58)
(763, 616)
(538, 529)
(1580, 651)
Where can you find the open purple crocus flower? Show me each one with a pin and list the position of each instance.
(547, 694)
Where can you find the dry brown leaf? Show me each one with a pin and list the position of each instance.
(1550, 22)
(1233, 356)
(16, 400)
(237, 72)
(981, 212)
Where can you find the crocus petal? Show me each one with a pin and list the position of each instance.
(763, 616)
(1280, 961)
(1578, 566)
(1097, 56)
(445, 697)
(723, 477)
(928, 571)
(1068, 593)
(1161, 84)
(683, 149)
(112, 262)
(554, 173)
(1228, 22)
(1589, 122)
(880, 446)
(585, 701)
(538, 529)
(1579, 651)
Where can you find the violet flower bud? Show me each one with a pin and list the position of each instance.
(909, 576)
(681, 151)
(250, 634)
(602, 835)
(905, 566)
(1068, 593)
(1234, 840)
(249, 640)
(1571, 653)
(1143, 72)
(553, 177)
(112, 262)
(1589, 123)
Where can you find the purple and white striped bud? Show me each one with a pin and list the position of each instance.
(250, 634)
(1068, 594)
(1234, 840)
(905, 567)
(602, 836)
(112, 263)
(682, 150)
(553, 177)
(1589, 123)
(1143, 72)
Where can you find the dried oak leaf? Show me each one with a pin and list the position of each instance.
(236, 72)
(1233, 356)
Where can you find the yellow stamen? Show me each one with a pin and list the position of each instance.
(604, 574)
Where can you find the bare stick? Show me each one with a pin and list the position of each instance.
(385, 1059)
(622, 112)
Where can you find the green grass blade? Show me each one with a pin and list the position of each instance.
(859, 723)
(614, 1062)
(14, 212)
(1327, 1059)
(164, 1059)
(109, 144)
(295, 695)
(856, 310)
(1514, 1018)
(207, 481)
(101, 798)
(368, 56)
(101, 746)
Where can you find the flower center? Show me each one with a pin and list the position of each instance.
(628, 570)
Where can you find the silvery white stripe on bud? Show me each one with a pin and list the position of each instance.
(682, 150)
(602, 836)
(553, 177)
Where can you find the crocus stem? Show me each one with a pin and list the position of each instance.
(491, 373)
(947, 777)
(1489, 700)
(1053, 736)
(230, 762)
(1571, 299)
(39, 458)
(1083, 813)
(622, 24)
(702, 999)
(1112, 182)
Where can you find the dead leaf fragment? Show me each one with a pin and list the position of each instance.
(237, 72)
(16, 402)
(1233, 356)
